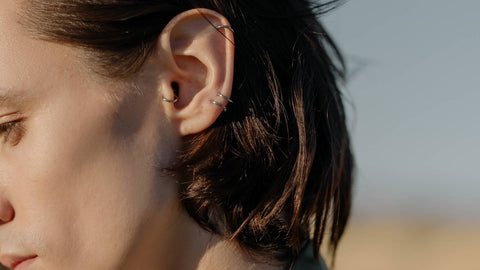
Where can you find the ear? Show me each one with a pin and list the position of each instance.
(197, 60)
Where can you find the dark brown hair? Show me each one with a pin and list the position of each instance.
(276, 169)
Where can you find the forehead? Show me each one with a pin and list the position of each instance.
(17, 51)
(15, 56)
(28, 65)
(16, 41)
(10, 28)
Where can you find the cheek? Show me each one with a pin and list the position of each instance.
(85, 195)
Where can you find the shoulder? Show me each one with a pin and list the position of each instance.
(306, 261)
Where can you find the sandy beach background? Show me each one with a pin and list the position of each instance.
(413, 245)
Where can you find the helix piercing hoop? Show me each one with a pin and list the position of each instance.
(225, 97)
(174, 100)
(229, 100)
(226, 27)
(220, 105)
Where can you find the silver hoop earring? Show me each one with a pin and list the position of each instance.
(174, 100)
(226, 27)
(219, 105)
(225, 97)
(229, 100)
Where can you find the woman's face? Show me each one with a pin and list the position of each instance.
(78, 182)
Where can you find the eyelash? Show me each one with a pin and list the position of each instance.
(11, 131)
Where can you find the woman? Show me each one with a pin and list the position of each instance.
(169, 134)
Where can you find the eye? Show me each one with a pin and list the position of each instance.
(12, 131)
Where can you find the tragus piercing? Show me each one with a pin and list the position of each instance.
(226, 27)
(175, 88)
(219, 105)
(174, 100)
(225, 97)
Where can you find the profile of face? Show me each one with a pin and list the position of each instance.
(80, 185)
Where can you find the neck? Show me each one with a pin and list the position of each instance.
(224, 254)
(202, 250)
(176, 242)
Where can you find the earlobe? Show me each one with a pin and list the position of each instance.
(197, 47)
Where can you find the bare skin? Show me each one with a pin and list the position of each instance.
(80, 186)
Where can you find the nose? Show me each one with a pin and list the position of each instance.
(7, 213)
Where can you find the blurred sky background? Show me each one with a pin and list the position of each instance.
(415, 88)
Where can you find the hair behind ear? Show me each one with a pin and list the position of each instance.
(278, 163)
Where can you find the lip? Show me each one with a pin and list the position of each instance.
(17, 262)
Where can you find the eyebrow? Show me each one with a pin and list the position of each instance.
(12, 97)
